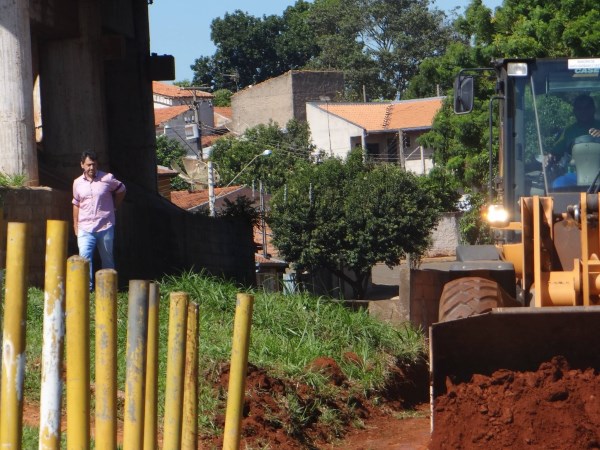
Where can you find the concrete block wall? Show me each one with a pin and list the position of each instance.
(152, 238)
(34, 206)
(445, 237)
(283, 98)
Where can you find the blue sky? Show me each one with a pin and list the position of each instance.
(182, 27)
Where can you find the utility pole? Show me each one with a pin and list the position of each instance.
(401, 145)
(197, 124)
(211, 189)
(262, 220)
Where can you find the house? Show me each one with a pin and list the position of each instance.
(177, 111)
(283, 98)
(387, 130)
(269, 268)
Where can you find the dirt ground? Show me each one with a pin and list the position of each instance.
(361, 423)
(555, 407)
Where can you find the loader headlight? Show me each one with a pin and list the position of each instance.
(516, 69)
(496, 216)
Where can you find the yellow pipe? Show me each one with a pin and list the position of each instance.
(78, 353)
(189, 433)
(54, 332)
(150, 413)
(13, 340)
(175, 365)
(106, 360)
(237, 373)
(137, 334)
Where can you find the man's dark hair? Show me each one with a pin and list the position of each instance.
(582, 101)
(89, 154)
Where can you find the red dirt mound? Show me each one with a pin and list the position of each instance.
(286, 415)
(554, 407)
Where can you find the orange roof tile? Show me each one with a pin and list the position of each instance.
(170, 90)
(405, 114)
(208, 140)
(187, 200)
(224, 111)
(414, 113)
(162, 115)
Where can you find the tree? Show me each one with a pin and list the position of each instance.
(347, 216)
(168, 150)
(222, 97)
(291, 150)
(251, 49)
(531, 28)
(377, 43)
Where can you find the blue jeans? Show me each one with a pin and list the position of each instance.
(87, 242)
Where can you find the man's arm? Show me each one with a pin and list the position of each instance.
(75, 219)
(118, 198)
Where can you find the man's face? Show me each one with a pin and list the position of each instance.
(89, 167)
(584, 112)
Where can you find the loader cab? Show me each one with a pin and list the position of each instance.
(543, 148)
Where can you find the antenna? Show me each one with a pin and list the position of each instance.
(194, 172)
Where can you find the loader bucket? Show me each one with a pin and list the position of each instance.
(518, 339)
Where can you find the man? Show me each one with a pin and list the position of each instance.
(96, 196)
(584, 110)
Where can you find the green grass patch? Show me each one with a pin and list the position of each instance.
(288, 333)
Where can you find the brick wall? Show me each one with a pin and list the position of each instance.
(153, 236)
(34, 206)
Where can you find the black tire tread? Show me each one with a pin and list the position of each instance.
(470, 296)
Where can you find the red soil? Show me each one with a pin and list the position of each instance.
(554, 407)
(362, 423)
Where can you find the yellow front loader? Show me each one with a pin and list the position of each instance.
(535, 294)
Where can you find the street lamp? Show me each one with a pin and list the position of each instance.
(211, 185)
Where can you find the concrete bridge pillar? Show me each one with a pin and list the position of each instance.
(72, 93)
(17, 137)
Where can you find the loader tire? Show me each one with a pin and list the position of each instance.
(469, 296)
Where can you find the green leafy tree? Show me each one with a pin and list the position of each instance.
(290, 151)
(530, 28)
(377, 43)
(222, 97)
(473, 228)
(251, 49)
(242, 207)
(183, 83)
(168, 150)
(444, 188)
(347, 216)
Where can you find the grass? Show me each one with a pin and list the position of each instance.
(288, 332)
(12, 180)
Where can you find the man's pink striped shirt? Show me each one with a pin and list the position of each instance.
(95, 201)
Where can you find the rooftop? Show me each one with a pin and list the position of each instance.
(402, 115)
(170, 90)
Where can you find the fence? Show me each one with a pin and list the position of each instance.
(67, 323)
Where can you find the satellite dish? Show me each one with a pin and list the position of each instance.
(194, 172)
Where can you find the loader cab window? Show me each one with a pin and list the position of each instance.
(549, 117)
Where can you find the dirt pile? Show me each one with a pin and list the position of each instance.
(555, 407)
(286, 415)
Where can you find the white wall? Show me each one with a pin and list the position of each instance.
(445, 237)
(332, 135)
